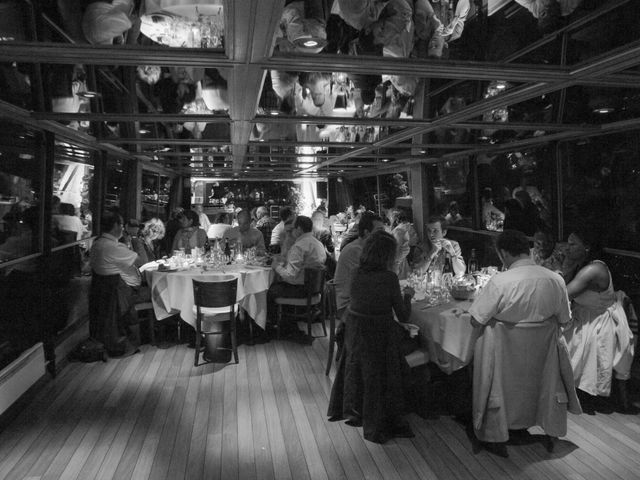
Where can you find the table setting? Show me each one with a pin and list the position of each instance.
(170, 280)
(440, 311)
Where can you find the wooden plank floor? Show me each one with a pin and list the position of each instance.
(154, 416)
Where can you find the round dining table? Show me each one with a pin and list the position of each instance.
(172, 291)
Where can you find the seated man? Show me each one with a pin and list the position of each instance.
(535, 299)
(349, 259)
(265, 224)
(437, 250)
(110, 257)
(277, 234)
(249, 236)
(306, 252)
(546, 252)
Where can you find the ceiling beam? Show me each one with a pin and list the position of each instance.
(61, 53)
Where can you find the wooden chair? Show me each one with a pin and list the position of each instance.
(331, 311)
(213, 299)
(313, 301)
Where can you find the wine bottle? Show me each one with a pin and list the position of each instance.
(473, 262)
(227, 249)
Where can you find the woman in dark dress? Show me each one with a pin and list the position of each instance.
(369, 388)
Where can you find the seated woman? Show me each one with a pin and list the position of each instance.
(599, 339)
(145, 245)
(190, 234)
(372, 377)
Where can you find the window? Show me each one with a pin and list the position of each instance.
(452, 187)
(601, 187)
(20, 192)
(72, 213)
(155, 195)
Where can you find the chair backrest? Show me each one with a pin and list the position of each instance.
(314, 280)
(215, 294)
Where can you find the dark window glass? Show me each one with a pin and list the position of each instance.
(601, 186)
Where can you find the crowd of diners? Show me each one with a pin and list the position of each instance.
(541, 281)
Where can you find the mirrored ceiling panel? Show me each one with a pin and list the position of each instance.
(169, 23)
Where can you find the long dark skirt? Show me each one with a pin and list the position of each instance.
(369, 386)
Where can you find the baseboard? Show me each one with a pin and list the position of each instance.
(20, 375)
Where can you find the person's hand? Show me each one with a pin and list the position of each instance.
(408, 291)
(448, 247)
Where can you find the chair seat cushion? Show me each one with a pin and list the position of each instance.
(298, 302)
(211, 311)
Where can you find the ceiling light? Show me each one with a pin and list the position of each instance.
(310, 43)
(273, 112)
(385, 160)
(143, 131)
(26, 156)
(501, 85)
(604, 110)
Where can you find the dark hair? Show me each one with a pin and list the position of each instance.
(514, 242)
(222, 218)
(366, 222)
(438, 219)
(378, 251)
(132, 222)
(109, 220)
(590, 236)
(193, 216)
(285, 213)
(305, 223)
(67, 209)
(403, 216)
(487, 193)
(244, 213)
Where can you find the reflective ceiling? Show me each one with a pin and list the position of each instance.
(271, 89)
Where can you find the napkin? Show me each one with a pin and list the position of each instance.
(149, 266)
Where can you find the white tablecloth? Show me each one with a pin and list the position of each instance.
(172, 292)
(447, 333)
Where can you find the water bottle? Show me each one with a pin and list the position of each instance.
(472, 266)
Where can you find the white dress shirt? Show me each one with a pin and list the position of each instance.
(110, 257)
(306, 252)
(277, 234)
(526, 292)
(348, 262)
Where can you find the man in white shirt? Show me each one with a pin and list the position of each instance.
(349, 259)
(109, 256)
(525, 292)
(439, 246)
(277, 234)
(306, 252)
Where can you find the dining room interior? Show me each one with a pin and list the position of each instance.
(189, 132)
